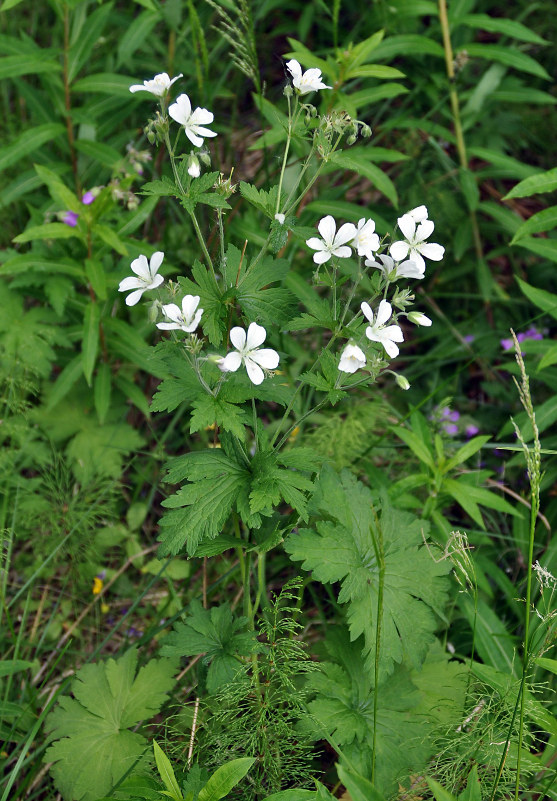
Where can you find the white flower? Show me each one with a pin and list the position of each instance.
(158, 85)
(249, 352)
(280, 217)
(377, 331)
(147, 277)
(333, 243)
(406, 269)
(192, 120)
(415, 245)
(352, 358)
(187, 319)
(366, 241)
(310, 81)
(418, 318)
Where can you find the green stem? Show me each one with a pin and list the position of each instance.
(453, 94)
(379, 556)
(67, 101)
(286, 149)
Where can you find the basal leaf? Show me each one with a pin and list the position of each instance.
(352, 544)
(93, 746)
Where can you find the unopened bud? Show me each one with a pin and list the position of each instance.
(402, 382)
(351, 139)
(193, 167)
(366, 131)
(418, 318)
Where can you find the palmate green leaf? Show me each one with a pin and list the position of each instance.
(272, 484)
(207, 410)
(219, 635)
(344, 707)
(348, 543)
(93, 746)
(215, 310)
(258, 301)
(201, 507)
(100, 450)
(263, 200)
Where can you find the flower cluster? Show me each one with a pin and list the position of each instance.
(71, 217)
(340, 243)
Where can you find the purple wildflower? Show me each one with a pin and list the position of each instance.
(471, 431)
(450, 428)
(469, 338)
(88, 198)
(448, 415)
(70, 218)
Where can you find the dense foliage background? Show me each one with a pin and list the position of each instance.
(370, 619)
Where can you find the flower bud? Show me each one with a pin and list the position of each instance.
(280, 217)
(418, 318)
(194, 170)
(351, 139)
(288, 91)
(402, 382)
(366, 131)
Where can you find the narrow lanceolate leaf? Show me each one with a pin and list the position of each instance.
(25, 262)
(545, 248)
(225, 778)
(374, 553)
(166, 772)
(110, 238)
(90, 343)
(103, 386)
(65, 381)
(104, 154)
(468, 450)
(507, 27)
(362, 166)
(106, 83)
(508, 56)
(88, 37)
(14, 66)
(28, 142)
(52, 230)
(57, 189)
(545, 220)
(535, 185)
(546, 301)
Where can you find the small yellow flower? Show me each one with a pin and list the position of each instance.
(98, 584)
(294, 434)
(105, 608)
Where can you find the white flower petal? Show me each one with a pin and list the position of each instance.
(407, 225)
(424, 230)
(156, 261)
(238, 337)
(415, 256)
(189, 305)
(140, 267)
(294, 67)
(265, 357)
(168, 326)
(432, 251)
(366, 309)
(322, 257)
(393, 332)
(327, 227)
(255, 373)
(202, 116)
(134, 298)
(157, 281)
(231, 361)
(172, 311)
(390, 347)
(130, 283)
(384, 313)
(343, 252)
(315, 244)
(195, 140)
(399, 250)
(409, 269)
(345, 233)
(418, 214)
(255, 337)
